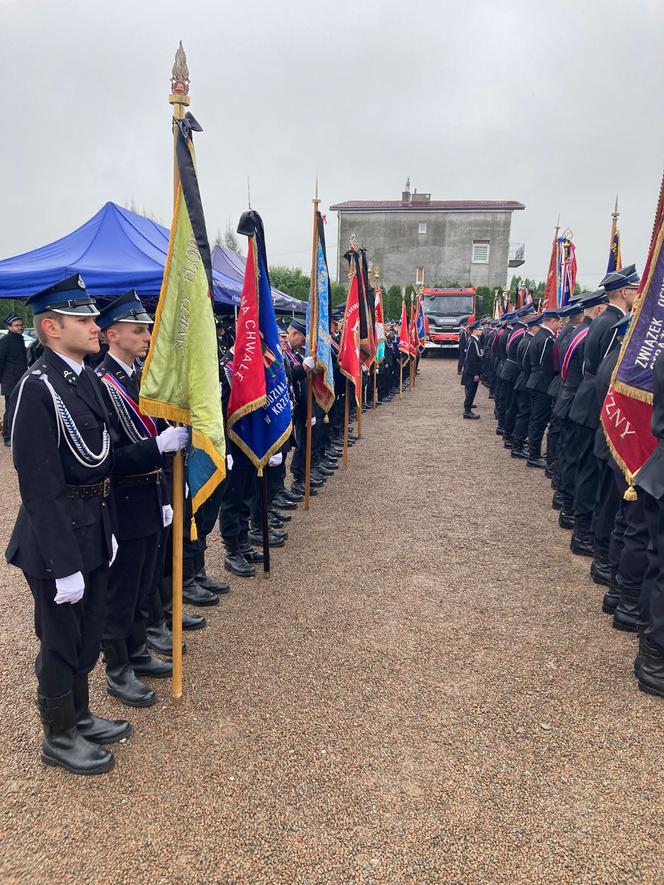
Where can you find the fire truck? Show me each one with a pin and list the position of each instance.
(446, 310)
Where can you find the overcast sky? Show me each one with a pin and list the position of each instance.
(557, 105)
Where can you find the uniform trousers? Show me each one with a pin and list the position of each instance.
(511, 407)
(130, 582)
(567, 461)
(236, 493)
(553, 438)
(522, 417)
(585, 489)
(471, 390)
(69, 635)
(634, 555)
(608, 502)
(540, 412)
(651, 601)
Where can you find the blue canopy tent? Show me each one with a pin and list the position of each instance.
(116, 250)
(231, 264)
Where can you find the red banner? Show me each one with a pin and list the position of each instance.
(349, 347)
(550, 299)
(248, 387)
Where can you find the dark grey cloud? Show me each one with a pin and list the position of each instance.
(556, 105)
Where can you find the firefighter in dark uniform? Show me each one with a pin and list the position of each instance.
(649, 664)
(511, 371)
(500, 344)
(540, 358)
(472, 368)
(620, 286)
(571, 375)
(521, 392)
(140, 501)
(63, 537)
(464, 335)
(13, 363)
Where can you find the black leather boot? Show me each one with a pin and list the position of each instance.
(470, 416)
(556, 502)
(281, 502)
(275, 513)
(189, 621)
(63, 744)
(235, 562)
(581, 542)
(121, 681)
(140, 659)
(565, 519)
(160, 639)
(612, 596)
(535, 458)
(192, 593)
(274, 539)
(518, 451)
(94, 728)
(205, 581)
(601, 572)
(645, 648)
(626, 615)
(251, 554)
(651, 671)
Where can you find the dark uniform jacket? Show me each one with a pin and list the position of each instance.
(138, 484)
(13, 361)
(604, 374)
(540, 357)
(650, 477)
(472, 364)
(510, 370)
(522, 359)
(600, 341)
(574, 371)
(558, 355)
(56, 535)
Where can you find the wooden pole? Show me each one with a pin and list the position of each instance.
(344, 460)
(262, 480)
(313, 348)
(179, 99)
(375, 382)
(360, 400)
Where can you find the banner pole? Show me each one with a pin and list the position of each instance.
(262, 480)
(313, 346)
(400, 377)
(359, 403)
(375, 382)
(307, 455)
(179, 100)
(344, 460)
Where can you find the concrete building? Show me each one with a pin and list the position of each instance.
(432, 242)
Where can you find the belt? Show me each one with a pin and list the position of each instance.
(99, 490)
(139, 479)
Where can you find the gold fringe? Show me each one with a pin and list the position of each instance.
(167, 411)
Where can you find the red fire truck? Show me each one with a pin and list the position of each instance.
(446, 310)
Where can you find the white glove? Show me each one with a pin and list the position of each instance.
(114, 551)
(313, 422)
(309, 362)
(167, 514)
(276, 460)
(69, 589)
(172, 439)
(229, 462)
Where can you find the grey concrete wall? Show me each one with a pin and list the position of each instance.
(394, 244)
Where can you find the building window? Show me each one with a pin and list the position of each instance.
(422, 228)
(480, 252)
(419, 276)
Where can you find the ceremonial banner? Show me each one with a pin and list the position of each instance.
(404, 342)
(366, 304)
(627, 408)
(412, 331)
(566, 271)
(380, 327)
(349, 347)
(181, 375)
(615, 258)
(319, 342)
(550, 299)
(259, 408)
(419, 324)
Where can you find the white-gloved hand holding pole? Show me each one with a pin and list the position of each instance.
(276, 460)
(167, 515)
(172, 439)
(69, 589)
(309, 363)
(114, 551)
(229, 461)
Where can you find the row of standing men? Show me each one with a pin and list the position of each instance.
(548, 374)
(92, 536)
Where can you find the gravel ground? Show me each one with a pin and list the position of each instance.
(425, 691)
